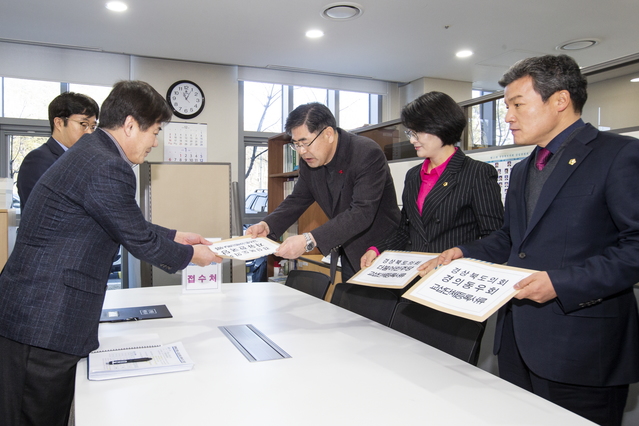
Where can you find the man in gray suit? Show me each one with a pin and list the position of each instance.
(349, 178)
(53, 285)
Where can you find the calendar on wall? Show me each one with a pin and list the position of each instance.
(185, 143)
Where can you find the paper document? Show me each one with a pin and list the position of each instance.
(138, 361)
(244, 248)
(392, 269)
(468, 288)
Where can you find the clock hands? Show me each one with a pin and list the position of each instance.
(187, 93)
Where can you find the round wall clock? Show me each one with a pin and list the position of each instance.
(186, 99)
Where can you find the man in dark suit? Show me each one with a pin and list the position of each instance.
(349, 178)
(71, 115)
(571, 335)
(53, 285)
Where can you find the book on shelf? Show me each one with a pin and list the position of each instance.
(141, 359)
(468, 288)
(291, 159)
(392, 269)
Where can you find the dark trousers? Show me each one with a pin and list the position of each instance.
(36, 385)
(602, 405)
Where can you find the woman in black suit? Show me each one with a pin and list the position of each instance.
(450, 198)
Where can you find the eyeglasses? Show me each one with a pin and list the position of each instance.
(85, 124)
(411, 134)
(298, 145)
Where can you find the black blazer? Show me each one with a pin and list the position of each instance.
(33, 167)
(584, 232)
(364, 209)
(463, 206)
(53, 285)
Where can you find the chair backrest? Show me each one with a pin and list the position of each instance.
(377, 304)
(310, 282)
(456, 336)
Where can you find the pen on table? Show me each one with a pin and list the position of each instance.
(126, 361)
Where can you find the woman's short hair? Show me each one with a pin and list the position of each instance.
(137, 99)
(437, 114)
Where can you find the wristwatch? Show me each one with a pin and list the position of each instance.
(310, 244)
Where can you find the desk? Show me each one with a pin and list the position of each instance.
(344, 370)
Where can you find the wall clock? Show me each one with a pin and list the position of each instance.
(186, 99)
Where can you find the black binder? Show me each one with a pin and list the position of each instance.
(137, 313)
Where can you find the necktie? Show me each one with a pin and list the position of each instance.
(542, 158)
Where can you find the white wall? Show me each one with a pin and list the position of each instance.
(220, 113)
(613, 103)
(458, 90)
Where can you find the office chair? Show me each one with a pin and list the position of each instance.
(377, 304)
(456, 336)
(310, 282)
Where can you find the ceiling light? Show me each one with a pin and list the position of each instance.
(116, 6)
(314, 33)
(635, 80)
(464, 53)
(578, 44)
(342, 11)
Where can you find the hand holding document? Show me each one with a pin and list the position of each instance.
(244, 248)
(392, 269)
(468, 288)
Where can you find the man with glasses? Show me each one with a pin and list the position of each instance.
(349, 178)
(71, 115)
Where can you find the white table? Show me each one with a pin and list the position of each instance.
(344, 370)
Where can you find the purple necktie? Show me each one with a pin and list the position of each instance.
(542, 158)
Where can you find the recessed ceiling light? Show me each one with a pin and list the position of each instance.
(635, 80)
(342, 11)
(464, 53)
(314, 33)
(116, 6)
(578, 44)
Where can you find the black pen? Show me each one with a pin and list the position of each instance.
(126, 361)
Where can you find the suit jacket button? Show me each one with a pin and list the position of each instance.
(437, 220)
(522, 255)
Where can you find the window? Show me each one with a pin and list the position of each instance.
(262, 107)
(28, 98)
(487, 124)
(304, 95)
(355, 109)
(98, 93)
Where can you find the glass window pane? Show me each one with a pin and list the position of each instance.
(262, 107)
(28, 98)
(304, 95)
(256, 179)
(20, 146)
(98, 93)
(354, 110)
(488, 126)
